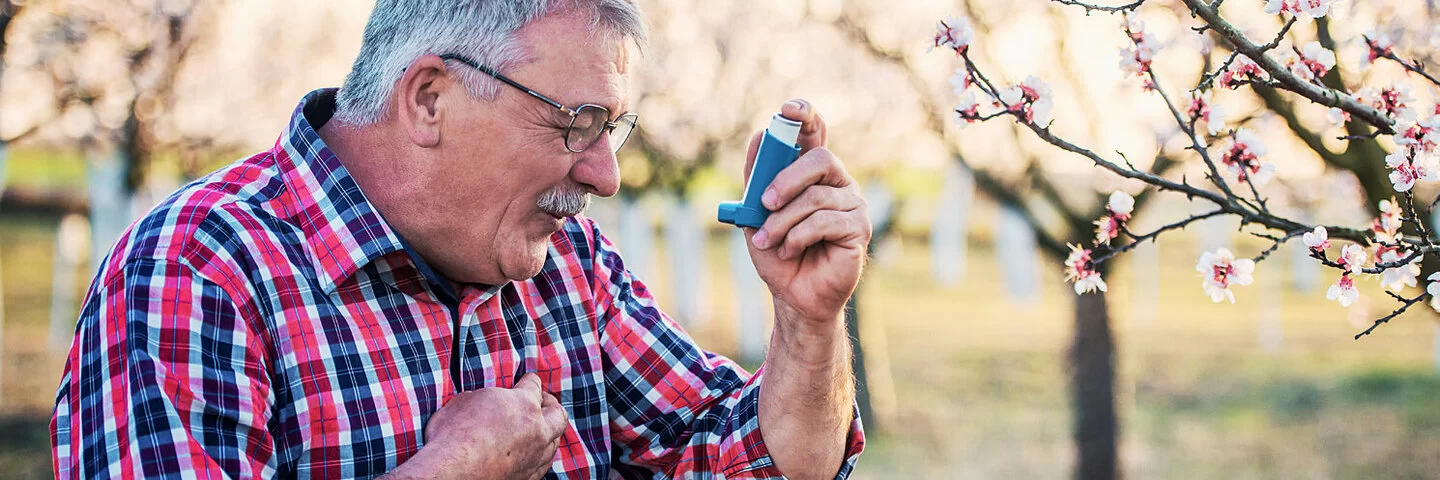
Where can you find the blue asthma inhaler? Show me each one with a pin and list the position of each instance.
(777, 151)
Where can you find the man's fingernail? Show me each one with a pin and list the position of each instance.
(796, 104)
(770, 198)
(759, 239)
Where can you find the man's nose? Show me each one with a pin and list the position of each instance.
(597, 170)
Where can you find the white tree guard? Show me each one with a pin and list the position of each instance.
(951, 224)
(1015, 249)
(1434, 217)
(750, 313)
(1145, 283)
(636, 242)
(1305, 272)
(72, 244)
(605, 212)
(881, 202)
(109, 208)
(1269, 330)
(689, 275)
(1436, 346)
(1213, 233)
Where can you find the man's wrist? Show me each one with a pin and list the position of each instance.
(812, 340)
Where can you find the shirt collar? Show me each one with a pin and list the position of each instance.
(342, 229)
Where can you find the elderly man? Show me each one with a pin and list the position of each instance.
(402, 286)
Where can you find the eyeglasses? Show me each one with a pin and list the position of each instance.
(587, 121)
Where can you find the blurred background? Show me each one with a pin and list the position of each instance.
(976, 358)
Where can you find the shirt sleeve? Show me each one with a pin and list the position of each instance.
(163, 380)
(675, 408)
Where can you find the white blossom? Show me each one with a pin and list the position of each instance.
(1343, 291)
(1221, 270)
(1317, 240)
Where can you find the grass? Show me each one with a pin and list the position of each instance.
(973, 383)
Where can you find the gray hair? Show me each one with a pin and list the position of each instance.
(401, 31)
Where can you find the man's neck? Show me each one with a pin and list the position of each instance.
(372, 160)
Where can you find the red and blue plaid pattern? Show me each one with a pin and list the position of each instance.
(265, 321)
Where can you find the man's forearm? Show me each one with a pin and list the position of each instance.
(807, 398)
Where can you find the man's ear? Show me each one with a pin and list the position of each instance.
(417, 96)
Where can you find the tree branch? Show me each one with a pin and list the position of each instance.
(1284, 78)
(1091, 7)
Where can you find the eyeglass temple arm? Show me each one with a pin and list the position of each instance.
(488, 71)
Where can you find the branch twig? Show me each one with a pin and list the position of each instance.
(1405, 304)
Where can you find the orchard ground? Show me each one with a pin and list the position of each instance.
(979, 386)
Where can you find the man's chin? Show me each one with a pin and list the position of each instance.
(528, 265)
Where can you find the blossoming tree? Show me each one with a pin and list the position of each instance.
(1388, 146)
(1237, 170)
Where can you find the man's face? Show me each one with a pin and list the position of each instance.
(506, 180)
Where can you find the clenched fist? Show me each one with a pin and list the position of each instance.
(499, 433)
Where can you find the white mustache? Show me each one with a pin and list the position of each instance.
(563, 202)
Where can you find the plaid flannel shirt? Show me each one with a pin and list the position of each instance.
(265, 321)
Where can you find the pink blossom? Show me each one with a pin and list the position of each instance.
(968, 109)
(960, 81)
(1422, 136)
(1379, 45)
(1213, 115)
(1281, 6)
(1117, 212)
(1241, 69)
(1315, 8)
(1242, 158)
(1034, 88)
(1317, 240)
(1299, 8)
(1393, 101)
(1080, 269)
(1107, 228)
(1398, 277)
(1352, 258)
(1312, 61)
(1011, 98)
(954, 33)
(1031, 99)
(1386, 227)
(1407, 167)
(1221, 270)
(1343, 291)
(1135, 59)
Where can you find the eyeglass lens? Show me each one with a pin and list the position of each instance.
(590, 121)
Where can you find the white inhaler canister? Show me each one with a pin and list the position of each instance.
(777, 150)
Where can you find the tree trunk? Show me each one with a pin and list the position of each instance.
(1092, 391)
